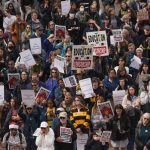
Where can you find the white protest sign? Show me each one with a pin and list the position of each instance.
(135, 62)
(28, 97)
(59, 63)
(99, 40)
(117, 34)
(112, 40)
(65, 134)
(81, 141)
(60, 32)
(1, 94)
(105, 137)
(70, 81)
(82, 57)
(35, 45)
(65, 7)
(86, 87)
(118, 96)
(27, 57)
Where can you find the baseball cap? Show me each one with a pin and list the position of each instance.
(13, 126)
(63, 114)
(44, 124)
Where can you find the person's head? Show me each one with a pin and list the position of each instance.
(35, 76)
(139, 52)
(147, 30)
(44, 127)
(34, 15)
(131, 47)
(28, 28)
(54, 72)
(68, 57)
(11, 65)
(99, 99)
(73, 7)
(122, 82)
(13, 129)
(111, 73)
(71, 15)
(79, 74)
(124, 5)
(69, 49)
(68, 97)
(24, 75)
(63, 118)
(145, 119)
(95, 83)
(10, 46)
(81, 8)
(1, 52)
(144, 68)
(29, 109)
(118, 110)
(79, 101)
(18, 16)
(131, 90)
(93, 8)
(39, 30)
(50, 103)
(51, 25)
(121, 61)
(61, 83)
(111, 12)
(67, 39)
(65, 90)
(121, 72)
(34, 84)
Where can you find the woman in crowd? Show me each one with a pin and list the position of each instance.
(142, 136)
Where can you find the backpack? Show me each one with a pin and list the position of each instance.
(8, 135)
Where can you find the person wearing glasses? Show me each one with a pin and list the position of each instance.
(142, 134)
(65, 134)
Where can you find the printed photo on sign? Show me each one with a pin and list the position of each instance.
(105, 137)
(117, 34)
(99, 40)
(70, 81)
(35, 45)
(28, 97)
(13, 80)
(106, 110)
(82, 57)
(42, 94)
(60, 32)
(65, 134)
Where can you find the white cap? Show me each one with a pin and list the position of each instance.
(63, 114)
(60, 109)
(44, 124)
(13, 126)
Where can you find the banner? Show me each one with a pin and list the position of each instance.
(118, 96)
(1, 95)
(27, 57)
(28, 97)
(60, 32)
(70, 81)
(35, 45)
(65, 7)
(106, 110)
(65, 134)
(59, 63)
(117, 34)
(82, 57)
(42, 94)
(13, 80)
(99, 40)
(86, 87)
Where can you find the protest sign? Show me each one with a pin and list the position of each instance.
(86, 87)
(142, 15)
(117, 34)
(65, 134)
(81, 141)
(99, 40)
(60, 32)
(82, 57)
(28, 97)
(106, 110)
(105, 137)
(135, 62)
(65, 7)
(35, 45)
(13, 79)
(70, 81)
(118, 96)
(1, 94)
(59, 63)
(27, 57)
(42, 94)
(112, 40)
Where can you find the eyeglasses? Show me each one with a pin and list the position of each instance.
(62, 118)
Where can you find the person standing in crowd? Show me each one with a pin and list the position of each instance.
(45, 138)
(14, 140)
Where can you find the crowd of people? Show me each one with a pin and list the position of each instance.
(39, 126)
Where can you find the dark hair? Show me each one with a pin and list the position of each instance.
(119, 106)
(129, 96)
(141, 68)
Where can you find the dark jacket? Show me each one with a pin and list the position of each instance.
(123, 132)
(138, 137)
(61, 145)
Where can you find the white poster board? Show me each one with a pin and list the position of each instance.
(27, 57)
(1, 95)
(105, 137)
(35, 45)
(59, 63)
(99, 40)
(117, 34)
(28, 97)
(135, 62)
(65, 134)
(65, 7)
(70, 81)
(82, 57)
(118, 96)
(81, 141)
(86, 87)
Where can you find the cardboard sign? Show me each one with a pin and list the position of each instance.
(60, 32)
(59, 63)
(65, 7)
(13, 79)
(70, 81)
(82, 57)
(65, 134)
(35, 45)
